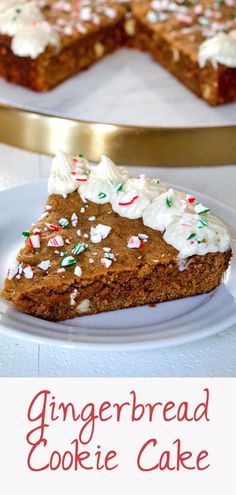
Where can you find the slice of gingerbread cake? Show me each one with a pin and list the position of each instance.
(108, 240)
(194, 40)
(44, 42)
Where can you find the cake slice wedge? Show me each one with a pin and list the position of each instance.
(107, 240)
(195, 41)
(45, 43)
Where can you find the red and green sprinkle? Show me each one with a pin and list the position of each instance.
(169, 202)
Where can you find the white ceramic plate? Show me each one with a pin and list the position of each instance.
(166, 324)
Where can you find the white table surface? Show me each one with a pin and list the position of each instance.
(213, 356)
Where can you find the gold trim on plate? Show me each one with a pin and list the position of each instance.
(162, 146)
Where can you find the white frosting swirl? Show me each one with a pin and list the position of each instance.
(25, 23)
(163, 210)
(104, 179)
(107, 170)
(17, 15)
(221, 49)
(61, 181)
(6, 4)
(186, 223)
(31, 41)
(190, 239)
(135, 196)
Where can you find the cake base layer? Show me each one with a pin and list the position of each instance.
(145, 285)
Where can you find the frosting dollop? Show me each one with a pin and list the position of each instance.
(135, 196)
(61, 180)
(107, 170)
(104, 180)
(164, 209)
(221, 49)
(193, 235)
(25, 23)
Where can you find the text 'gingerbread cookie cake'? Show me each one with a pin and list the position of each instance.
(108, 240)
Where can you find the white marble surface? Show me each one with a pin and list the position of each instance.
(127, 87)
(214, 356)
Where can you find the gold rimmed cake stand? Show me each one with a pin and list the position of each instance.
(131, 145)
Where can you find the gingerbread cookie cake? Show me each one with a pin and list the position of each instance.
(44, 42)
(107, 240)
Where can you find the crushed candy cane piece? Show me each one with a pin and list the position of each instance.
(81, 178)
(28, 272)
(190, 199)
(102, 195)
(73, 297)
(62, 254)
(13, 271)
(169, 202)
(57, 241)
(201, 209)
(110, 256)
(74, 220)
(99, 232)
(118, 187)
(78, 271)
(21, 266)
(143, 237)
(51, 226)
(68, 261)
(44, 215)
(135, 242)
(202, 222)
(79, 248)
(106, 263)
(126, 201)
(34, 241)
(63, 222)
(25, 233)
(44, 265)
(184, 18)
(191, 236)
